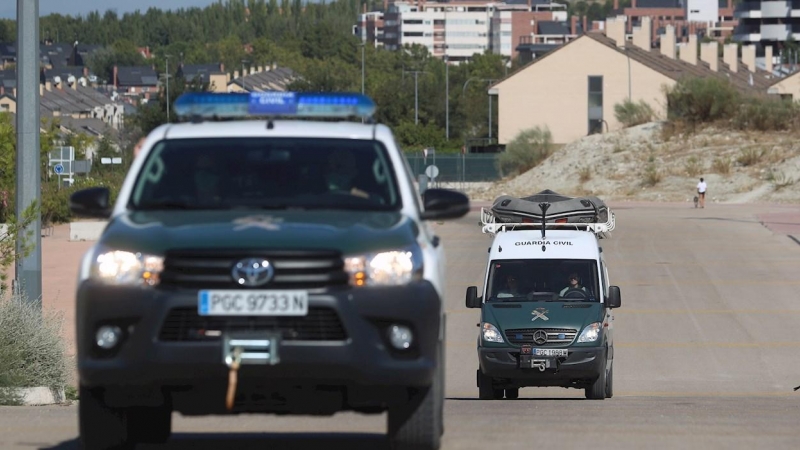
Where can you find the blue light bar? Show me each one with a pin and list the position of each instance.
(296, 104)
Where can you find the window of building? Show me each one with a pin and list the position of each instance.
(595, 110)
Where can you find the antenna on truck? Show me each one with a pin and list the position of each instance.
(543, 206)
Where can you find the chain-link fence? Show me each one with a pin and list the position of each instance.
(457, 168)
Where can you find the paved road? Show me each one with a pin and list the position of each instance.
(706, 350)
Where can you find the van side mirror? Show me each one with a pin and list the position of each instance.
(473, 301)
(614, 300)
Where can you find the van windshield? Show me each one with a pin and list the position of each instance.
(543, 280)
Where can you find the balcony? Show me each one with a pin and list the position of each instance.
(767, 9)
(775, 9)
(775, 32)
(747, 33)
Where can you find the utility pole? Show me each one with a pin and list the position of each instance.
(416, 93)
(28, 269)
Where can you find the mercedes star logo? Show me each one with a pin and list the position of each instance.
(540, 337)
(253, 272)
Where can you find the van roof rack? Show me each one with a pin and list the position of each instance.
(491, 226)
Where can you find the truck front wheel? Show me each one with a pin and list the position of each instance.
(419, 424)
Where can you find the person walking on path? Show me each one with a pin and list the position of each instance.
(701, 192)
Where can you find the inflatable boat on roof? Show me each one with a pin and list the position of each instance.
(563, 209)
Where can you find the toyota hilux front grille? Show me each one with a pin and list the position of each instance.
(212, 269)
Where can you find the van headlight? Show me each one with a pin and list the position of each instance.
(591, 333)
(388, 268)
(491, 333)
(123, 268)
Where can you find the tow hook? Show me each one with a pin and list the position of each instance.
(540, 363)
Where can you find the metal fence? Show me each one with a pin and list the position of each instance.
(457, 168)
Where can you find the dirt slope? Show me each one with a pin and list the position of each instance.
(645, 163)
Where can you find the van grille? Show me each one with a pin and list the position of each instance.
(212, 269)
(555, 336)
(185, 324)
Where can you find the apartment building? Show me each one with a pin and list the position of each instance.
(370, 27)
(459, 29)
(703, 18)
(768, 24)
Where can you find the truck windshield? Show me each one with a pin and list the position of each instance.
(266, 173)
(543, 280)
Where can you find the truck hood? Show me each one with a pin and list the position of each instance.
(350, 232)
(515, 315)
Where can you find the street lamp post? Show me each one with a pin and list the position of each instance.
(244, 86)
(463, 92)
(447, 96)
(167, 78)
(363, 46)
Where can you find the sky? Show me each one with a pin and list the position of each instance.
(8, 8)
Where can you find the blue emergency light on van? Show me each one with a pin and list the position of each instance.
(297, 104)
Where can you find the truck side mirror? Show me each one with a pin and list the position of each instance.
(614, 300)
(473, 301)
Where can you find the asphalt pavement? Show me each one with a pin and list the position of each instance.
(706, 351)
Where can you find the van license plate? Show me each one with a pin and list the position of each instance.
(252, 303)
(550, 352)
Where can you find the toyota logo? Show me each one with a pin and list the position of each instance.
(253, 272)
(540, 337)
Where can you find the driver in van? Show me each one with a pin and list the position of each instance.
(574, 282)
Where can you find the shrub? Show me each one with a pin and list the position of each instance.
(766, 114)
(529, 148)
(701, 100)
(721, 165)
(779, 180)
(750, 156)
(651, 175)
(585, 173)
(631, 114)
(693, 166)
(32, 351)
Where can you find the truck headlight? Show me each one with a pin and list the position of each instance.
(591, 333)
(491, 333)
(124, 268)
(389, 268)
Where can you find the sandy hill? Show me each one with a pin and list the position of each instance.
(648, 163)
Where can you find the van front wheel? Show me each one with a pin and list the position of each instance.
(597, 390)
(485, 389)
